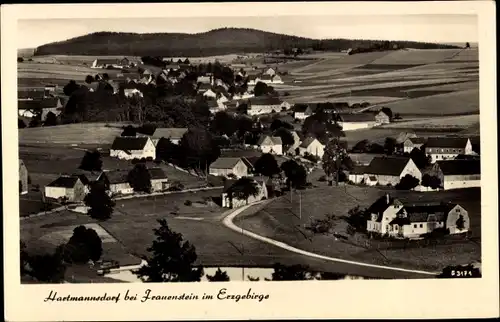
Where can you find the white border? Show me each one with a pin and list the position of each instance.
(339, 299)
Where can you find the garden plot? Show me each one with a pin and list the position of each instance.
(63, 235)
(415, 57)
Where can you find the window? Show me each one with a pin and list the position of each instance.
(415, 226)
(396, 227)
(421, 225)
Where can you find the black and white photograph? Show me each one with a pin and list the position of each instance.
(250, 148)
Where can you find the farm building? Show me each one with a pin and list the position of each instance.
(270, 72)
(412, 143)
(302, 111)
(270, 144)
(312, 146)
(107, 62)
(173, 67)
(446, 148)
(230, 201)
(129, 148)
(390, 216)
(403, 136)
(31, 108)
(70, 188)
(363, 158)
(390, 170)
(350, 122)
(173, 134)
(23, 178)
(214, 106)
(243, 96)
(159, 180)
(264, 105)
(226, 166)
(130, 92)
(209, 93)
(116, 181)
(203, 87)
(456, 174)
(204, 80)
(357, 174)
(382, 118)
(30, 94)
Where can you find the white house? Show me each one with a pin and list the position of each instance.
(458, 174)
(270, 144)
(390, 170)
(230, 201)
(312, 146)
(116, 181)
(264, 105)
(129, 92)
(210, 93)
(66, 187)
(174, 134)
(357, 174)
(226, 166)
(411, 143)
(129, 148)
(270, 72)
(159, 180)
(446, 148)
(243, 96)
(109, 62)
(350, 122)
(302, 111)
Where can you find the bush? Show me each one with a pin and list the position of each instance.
(431, 181)
(322, 178)
(20, 59)
(188, 203)
(408, 182)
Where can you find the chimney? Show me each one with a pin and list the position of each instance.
(388, 198)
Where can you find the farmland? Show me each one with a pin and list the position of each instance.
(282, 220)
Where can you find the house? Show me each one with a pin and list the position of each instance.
(203, 87)
(382, 118)
(116, 181)
(30, 94)
(229, 201)
(270, 144)
(23, 178)
(357, 174)
(172, 67)
(445, 148)
(456, 174)
(159, 180)
(391, 217)
(403, 136)
(390, 170)
(276, 79)
(204, 80)
(350, 122)
(66, 187)
(312, 146)
(174, 134)
(226, 166)
(363, 158)
(302, 111)
(264, 105)
(129, 92)
(210, 93)
(412, 143)
(129, 148)
(105, 63)
(270, 72)
(214, 106)
(31, 108)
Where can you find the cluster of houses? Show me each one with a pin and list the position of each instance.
(453, 161)
(392, 217)
(38, 101)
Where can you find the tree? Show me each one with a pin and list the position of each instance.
(260, 89)
(285, 135)
(139, 178)
(387, 112)
(467, 45)
(20, 59)
(335, 159)
(172, 258)
(100, 203)
(129, 130)
(70, 88)
(20, 124)
(91, 161)
(223, 123)
(361, 147)
(295, 173)
(89, 79)
(199, 148)
(47, 268)
(267, 165)
(431, 181)
(84, 245)
(50, 119)
(419, 158)
(186, 61)
(243, 189)
(390, 145)
(277, 124)
(219, 276)
(460, 223)
(290, 273)
(408, 182)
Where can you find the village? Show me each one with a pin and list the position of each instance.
(231, 128)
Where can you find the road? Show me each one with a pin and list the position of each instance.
(351, 266)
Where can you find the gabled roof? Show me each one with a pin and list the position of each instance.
(117, 176)
(27, 93)
(302, 108)
(357, 117)
(460, 167)
(420, 213)
(51, 102)
(447, 142)
(418, 140)
(129, 143)
(157, 173)
(204, 86)
(264, 100)
(225, 163)
(266, 139)
(64, 182)
(380, 205)
(392, 166)
(358, 169)
(308, 141)
(170, 133)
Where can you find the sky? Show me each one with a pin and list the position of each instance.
(427, 28)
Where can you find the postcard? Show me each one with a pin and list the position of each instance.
(250, 161)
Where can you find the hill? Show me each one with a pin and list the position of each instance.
(215, 42)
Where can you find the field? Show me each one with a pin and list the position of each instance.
(282, 220)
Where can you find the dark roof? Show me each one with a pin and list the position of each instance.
(358, 169)
(129, 143)
(460, 167)
(249, 163)
(116, 176)
(307, 141)
(420, 213)
(357, 117)
(172, 133)
(34, 94)
(225, 163)
(446, 142)
(228, 184)
(264, 100)
(392, 166)
(64, 182)
(275, 140)
(157, 173)
(380, 205)
(418, 140)
(51, 102)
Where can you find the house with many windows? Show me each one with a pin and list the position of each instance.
(129, 148)
(446, 148)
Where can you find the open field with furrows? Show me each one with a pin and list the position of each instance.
(454, 122)
(132, 226)
(416, 56)
(76, 59)
(282, 220)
